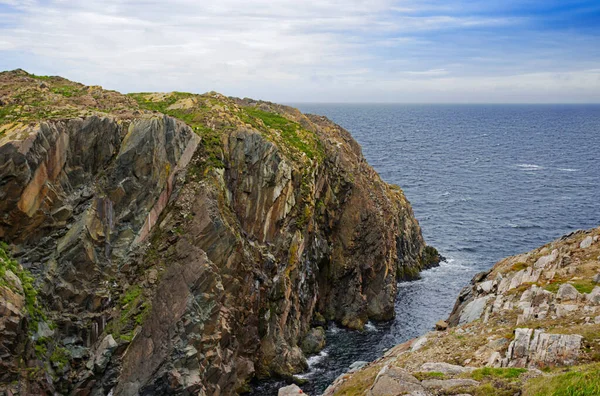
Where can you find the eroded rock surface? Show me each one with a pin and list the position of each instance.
(184, 244)
(539, 310)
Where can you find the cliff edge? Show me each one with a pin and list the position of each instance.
(529, 326)
(174, 243)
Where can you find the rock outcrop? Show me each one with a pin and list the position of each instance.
(183, 244)
(532, 312)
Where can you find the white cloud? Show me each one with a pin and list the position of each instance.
(273, 49)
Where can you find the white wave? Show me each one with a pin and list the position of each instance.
(370, 327)
(314, 359)
(530, 167)
(568, 170)
(333, 329)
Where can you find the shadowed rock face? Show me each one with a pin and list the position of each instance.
(188, 257)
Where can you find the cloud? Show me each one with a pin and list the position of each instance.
(282, 50)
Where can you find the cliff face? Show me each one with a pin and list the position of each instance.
(515, 330)
(179, 243)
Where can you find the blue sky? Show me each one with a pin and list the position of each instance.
(326, 51)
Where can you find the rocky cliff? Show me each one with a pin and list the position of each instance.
(529, 326)
(182, 244)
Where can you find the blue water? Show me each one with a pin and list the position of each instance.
(485, 182)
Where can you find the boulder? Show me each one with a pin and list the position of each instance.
(594, 296)
(104, 353)
(394, 381)
(314, 341)
(291, 390)
(532, 348)
(473, 310)
(441, 325)
(567, 292)
(586, 243)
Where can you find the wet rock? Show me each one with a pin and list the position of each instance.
(291, 390)
(314, 341)
(394, 381)
(446, 368)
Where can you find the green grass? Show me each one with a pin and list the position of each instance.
(506, 373)
(289, 131)
(582, 286)
(32, 305)
(518, 266)
(60, 357)
(196, 117)
(584, 382)
(67, 91)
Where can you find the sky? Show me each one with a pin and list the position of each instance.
(455, 51)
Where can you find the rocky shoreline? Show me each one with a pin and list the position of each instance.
(530, 326)
(176, 243)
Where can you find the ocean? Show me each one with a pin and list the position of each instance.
(485, 182)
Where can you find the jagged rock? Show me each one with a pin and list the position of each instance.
(394, 381)
(544, 261)
(567, 292)
(314, 341)
(291, 390)
(594, 296)
(586, 243)
(596, 278)
(532, 348)
(104, 353)
(446, 368)
(473, 310)
(441, 325)
(207, 247)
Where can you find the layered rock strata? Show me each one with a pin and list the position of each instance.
(184, 244)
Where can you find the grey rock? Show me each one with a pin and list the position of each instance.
(532, 348)
(104, 353)
(567, 292)
(586, 243)
(394, 381)
(43, 331)
(596, 278)
(446, 368)
(594, 296)
(473, 310)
